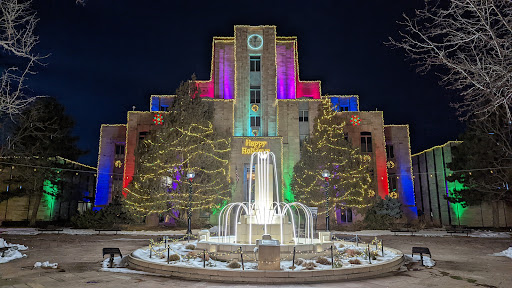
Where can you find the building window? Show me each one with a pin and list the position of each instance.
(346, 215)
(366, 142)
(164, 108)
(392, 183)
(255, 95)
(142, 135)
(389, 151)
(255, 121)
(345, 136)
(119, 149)
(303, 116)
(255, 63)
(302, 139)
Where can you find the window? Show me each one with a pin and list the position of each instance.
(366, 142)
(255, 94)
(389, 151)
(303, 116)
(255, 121)
(302, 139)
(345, 136)
(164, 107)
(119, 149)
(345, 215)
(392, 183)
(255, 63)
(142, 135)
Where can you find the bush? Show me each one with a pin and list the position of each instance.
(323, 261)
(234, 264)
(310, 265)
(299, 262)
(352, 252)
(383, 213)
(354, 261)
(174, 257)
(190, 247)
(108, 217)
(338, 264)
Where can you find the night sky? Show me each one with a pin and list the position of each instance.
(111, 55)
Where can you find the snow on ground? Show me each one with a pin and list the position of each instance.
(506, 253)
(46, 264)
(196, 260)
(428, 233)
(427, 261)
(13, 251)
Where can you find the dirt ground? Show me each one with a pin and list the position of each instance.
(460, 262)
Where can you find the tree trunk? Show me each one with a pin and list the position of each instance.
(35, 208)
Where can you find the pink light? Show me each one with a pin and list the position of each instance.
(285, 71)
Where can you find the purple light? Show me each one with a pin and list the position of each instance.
(285, 71)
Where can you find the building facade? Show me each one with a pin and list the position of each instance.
(431, 187)
(73, 193)
(261, 101)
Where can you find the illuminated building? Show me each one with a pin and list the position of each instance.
(430, 186)
(72, 191)
(261, 101)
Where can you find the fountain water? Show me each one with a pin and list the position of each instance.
(246, 222)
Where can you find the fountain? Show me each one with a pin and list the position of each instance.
(265, 214)
(245, 225)
(267, 234)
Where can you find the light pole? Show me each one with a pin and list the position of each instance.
(326, 175)
(190, 176)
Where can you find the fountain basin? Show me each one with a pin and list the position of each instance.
(344, 273)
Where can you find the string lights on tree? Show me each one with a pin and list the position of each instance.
(185, 142)
(350, 183)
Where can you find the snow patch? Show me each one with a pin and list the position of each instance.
(506, 253)
(13, 251)
(427, 261)
(46, 264)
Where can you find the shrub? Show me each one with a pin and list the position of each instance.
(323, 261)
(338, 264)
(299, 262)
(341, 245)
(190, 247)
(354, 261)
(108, 217)
(352, 252)
(234, 264)
(174, 257)
(310, 265)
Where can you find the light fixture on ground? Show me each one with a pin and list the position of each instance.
(190, 176)
(326, 176)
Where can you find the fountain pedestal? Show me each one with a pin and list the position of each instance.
(269, 255)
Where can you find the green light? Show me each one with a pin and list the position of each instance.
(458, 208)
(49, 196)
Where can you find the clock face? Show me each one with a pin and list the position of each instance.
(255, 41)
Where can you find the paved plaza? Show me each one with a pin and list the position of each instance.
(461, 262)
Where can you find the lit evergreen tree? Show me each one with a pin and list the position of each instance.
(350, 184)
(185, 142)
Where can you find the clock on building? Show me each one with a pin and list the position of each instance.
(255, 41)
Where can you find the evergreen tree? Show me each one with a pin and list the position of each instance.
(40, 135)
(350, 184)
(185, 142)
(480, 164)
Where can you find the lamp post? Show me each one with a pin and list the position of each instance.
(326, 175)
(190, 176)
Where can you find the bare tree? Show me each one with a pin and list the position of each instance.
(471, 42)
(17, 39)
